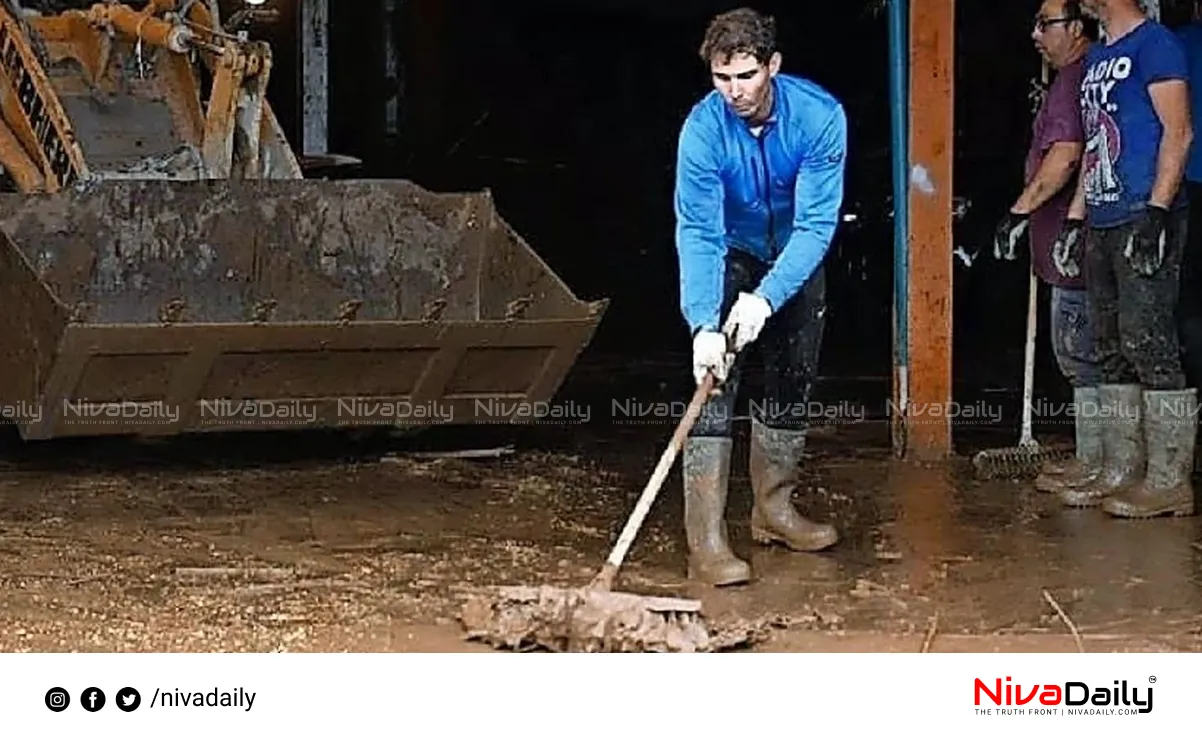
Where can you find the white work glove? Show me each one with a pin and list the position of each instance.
(710, 355)
(746, 319)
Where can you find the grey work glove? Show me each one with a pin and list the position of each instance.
(1006, 238)
(1146, 242)
(1069, 248)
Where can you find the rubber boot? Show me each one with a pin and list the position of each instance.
(1171, 429)
(1120, 417)
(706, 480)
(775, 464)
(1088, 432)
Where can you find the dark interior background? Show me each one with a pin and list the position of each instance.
(568, 111)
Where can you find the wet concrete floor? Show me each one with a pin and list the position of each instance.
(298, 541)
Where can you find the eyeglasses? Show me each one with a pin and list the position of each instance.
(1042, 24)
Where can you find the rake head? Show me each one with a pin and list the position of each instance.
(1015, 462)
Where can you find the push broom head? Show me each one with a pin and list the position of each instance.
(587, 620)
(1015, 462)
(596, 618)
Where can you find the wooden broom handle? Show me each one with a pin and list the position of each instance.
(605, 578)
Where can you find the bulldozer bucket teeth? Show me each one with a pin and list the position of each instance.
(161, 307)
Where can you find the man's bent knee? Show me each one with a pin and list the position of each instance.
(716, 418)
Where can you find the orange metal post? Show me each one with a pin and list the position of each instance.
(932, 36)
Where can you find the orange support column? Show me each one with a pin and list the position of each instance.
(931, 132)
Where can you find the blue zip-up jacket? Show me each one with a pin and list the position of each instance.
(721, 180)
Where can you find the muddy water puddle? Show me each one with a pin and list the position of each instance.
(153, 547)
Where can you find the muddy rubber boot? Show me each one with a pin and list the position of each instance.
(1171, 429)
(706, 479)
(1123, 455)
(1088, 432)
(775, 464)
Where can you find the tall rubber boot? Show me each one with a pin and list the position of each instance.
(1123, 453)
(1171, 430)
(775, 464)
(1088, 460)
(706, 481)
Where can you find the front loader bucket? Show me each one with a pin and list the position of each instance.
(160, 307)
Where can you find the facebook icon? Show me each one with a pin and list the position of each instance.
(92, 699)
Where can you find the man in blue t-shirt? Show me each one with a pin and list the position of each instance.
(759, 183)
(1189, 305)
(1136, 115)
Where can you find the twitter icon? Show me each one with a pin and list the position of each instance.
(128, 699)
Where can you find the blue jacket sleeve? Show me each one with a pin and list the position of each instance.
(818, 196)
(700, 227)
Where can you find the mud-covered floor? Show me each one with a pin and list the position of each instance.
(300, 542)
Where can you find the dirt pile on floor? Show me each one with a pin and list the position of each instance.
(586, 621)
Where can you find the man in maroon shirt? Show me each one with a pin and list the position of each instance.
(1062, 34)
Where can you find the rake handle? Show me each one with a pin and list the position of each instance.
(609, 571)
(1026, 438)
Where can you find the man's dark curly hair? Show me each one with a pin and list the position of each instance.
(741, 31)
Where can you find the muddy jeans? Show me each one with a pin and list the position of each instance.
(1134, 317)
(788, 345)
(1073, 338)
(1189, 305)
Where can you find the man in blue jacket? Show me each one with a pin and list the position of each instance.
(759, 184)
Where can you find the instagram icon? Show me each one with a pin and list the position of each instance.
(57, 699)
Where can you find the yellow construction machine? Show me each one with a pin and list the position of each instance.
(166, 267)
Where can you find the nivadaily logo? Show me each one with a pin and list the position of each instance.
(1070, 697)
